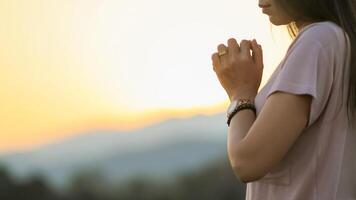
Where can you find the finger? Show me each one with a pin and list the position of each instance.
(245, 47)
(222, 48)
(233, 46)
(216, 61)
(222, 58)
(257, 53)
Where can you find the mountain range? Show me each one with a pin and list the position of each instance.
(160, 150)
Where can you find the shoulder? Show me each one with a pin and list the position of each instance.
(326, 34)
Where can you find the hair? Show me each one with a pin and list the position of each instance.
(342, 13)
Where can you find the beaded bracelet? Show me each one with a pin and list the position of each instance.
(241, 107)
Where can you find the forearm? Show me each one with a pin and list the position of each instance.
(239, 126)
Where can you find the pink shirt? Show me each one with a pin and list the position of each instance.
(321, 165)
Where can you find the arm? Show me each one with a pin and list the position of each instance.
(256, 145)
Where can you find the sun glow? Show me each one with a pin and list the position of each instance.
(69, 66)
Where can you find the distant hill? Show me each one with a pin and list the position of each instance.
(159, 150)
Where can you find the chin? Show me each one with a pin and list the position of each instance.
(278, 22)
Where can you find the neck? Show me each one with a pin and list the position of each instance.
(301, 24)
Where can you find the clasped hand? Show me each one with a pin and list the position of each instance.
(239, 72)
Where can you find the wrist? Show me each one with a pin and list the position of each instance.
(237, 105)
(250, 96)
(243, 93)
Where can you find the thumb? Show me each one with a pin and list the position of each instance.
(257, 53)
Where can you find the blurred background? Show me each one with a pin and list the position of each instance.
(118, 100)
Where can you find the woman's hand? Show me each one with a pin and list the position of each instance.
(238, 71)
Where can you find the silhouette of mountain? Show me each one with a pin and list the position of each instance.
(159, 150)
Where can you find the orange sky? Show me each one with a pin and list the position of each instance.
(68, 66)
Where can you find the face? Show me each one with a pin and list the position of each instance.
(277, 16)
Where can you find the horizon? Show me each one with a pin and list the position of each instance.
(103, 129)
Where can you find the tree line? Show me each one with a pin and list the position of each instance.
(214, 181)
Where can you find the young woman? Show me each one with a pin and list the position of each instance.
(295, 139)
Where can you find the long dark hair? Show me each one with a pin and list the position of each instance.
(342, 13)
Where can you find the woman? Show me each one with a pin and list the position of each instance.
(294, 139)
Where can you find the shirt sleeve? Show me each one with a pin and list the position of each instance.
(307, 69)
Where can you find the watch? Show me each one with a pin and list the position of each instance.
(237, 105)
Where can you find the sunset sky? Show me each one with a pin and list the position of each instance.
(74, 65)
